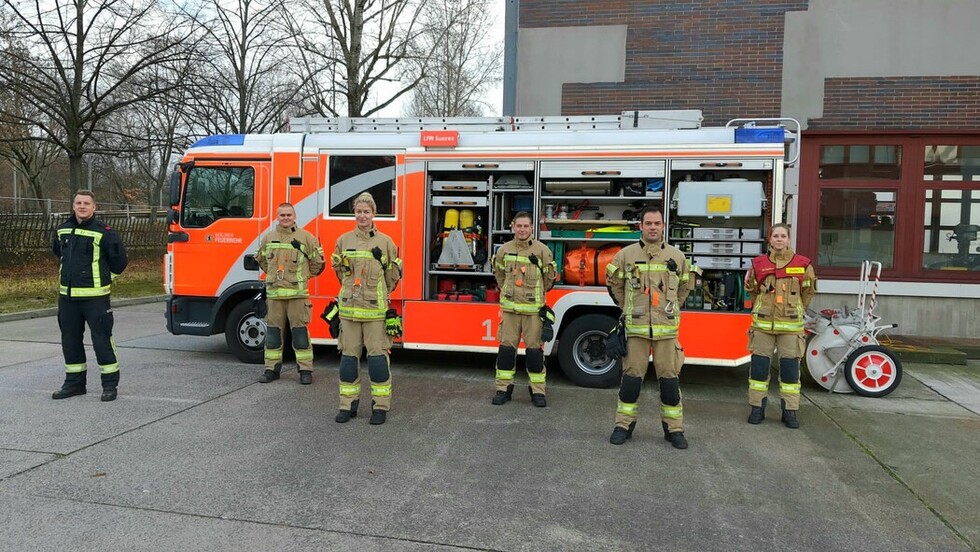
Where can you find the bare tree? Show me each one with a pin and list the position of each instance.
(369, 42)
(458, 58)
(78, 64)
(248, 81)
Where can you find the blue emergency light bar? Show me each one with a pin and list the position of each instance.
(221, 140)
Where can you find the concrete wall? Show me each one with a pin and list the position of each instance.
(925, 316)
(874, 38)
(549, 57)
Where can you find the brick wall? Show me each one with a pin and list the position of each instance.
(900, 103)
(721, 56)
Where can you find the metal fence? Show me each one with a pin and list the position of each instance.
(24, 205)
(27, 236)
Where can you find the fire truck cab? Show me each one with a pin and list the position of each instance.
(447, 191)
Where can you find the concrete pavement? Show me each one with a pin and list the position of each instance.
(195, 455)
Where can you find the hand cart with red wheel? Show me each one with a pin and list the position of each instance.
(844, 342)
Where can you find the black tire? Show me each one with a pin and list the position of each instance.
(582, 352)
(873, 371)
(245, 333)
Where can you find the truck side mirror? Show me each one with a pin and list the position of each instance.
(250, 263)
(174, 188)
(173, 215)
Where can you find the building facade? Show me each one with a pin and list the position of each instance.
(887, 92)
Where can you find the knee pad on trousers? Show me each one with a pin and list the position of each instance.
(789, 370)
(670, 391)
(273, 338)
(348, 368)
(629, 390)
(534, 360)
(506, 357)
(759, 369)
(301, 338)
(378, 368)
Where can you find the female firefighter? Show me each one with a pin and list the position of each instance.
(782, 283)
(367, 264)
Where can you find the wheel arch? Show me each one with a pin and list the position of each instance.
(229, 299)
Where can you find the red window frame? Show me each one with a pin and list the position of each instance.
(909, 211)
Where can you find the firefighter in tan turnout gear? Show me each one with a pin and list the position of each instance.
(782, 284)
(525, 270)
(290, 257)
(649, 280)
(367, 264)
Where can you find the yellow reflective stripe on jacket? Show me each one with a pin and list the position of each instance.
(358, 313)
(537, 377)
(381, 389)
(756, 385)
(505, 374)
(674, 412)
(789, 388)
(629, 409)
(85, 291)
(523, 308)
(301, 275)
(350, 389)
(97, 289)
(655, 330)
(772, 326)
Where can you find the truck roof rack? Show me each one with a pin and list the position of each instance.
(665, 120)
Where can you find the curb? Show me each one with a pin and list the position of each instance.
(52, 311)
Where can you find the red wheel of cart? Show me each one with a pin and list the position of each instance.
(873, 371)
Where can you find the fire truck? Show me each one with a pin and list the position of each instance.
(447, 191)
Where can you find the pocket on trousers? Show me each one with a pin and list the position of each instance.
(106, 322)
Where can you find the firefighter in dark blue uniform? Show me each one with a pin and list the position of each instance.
(90, 254)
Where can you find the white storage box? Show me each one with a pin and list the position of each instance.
(719, 199)
(751, 234)
(717, 247)
(752, 248)
(716, 233)
(723, 263)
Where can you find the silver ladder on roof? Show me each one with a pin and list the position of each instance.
(665, 120)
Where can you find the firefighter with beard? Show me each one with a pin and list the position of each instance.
(649, 280)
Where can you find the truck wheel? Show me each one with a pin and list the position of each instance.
(245, 334)
(582, 352)
(873, 371)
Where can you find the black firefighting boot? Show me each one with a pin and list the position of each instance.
(344, 416)
(789, 417)
(758, 412)
(676, 438)
(74, 385)
(109, 384)
(305, 377)
(620, 435)
(378, 417)
(537, 399)
(271, 375)
(501, 397)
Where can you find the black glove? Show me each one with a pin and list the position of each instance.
(533, 258)
(393, 324)
(259, 306)
(331, 315)
(547, 323)
(377, 253)
(616, 341)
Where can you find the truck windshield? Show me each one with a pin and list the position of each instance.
(214, 193)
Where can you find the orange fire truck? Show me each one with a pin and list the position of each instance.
(447, 190)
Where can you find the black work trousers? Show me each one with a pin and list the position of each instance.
(72, 317)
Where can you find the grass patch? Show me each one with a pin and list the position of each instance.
(34, 285)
